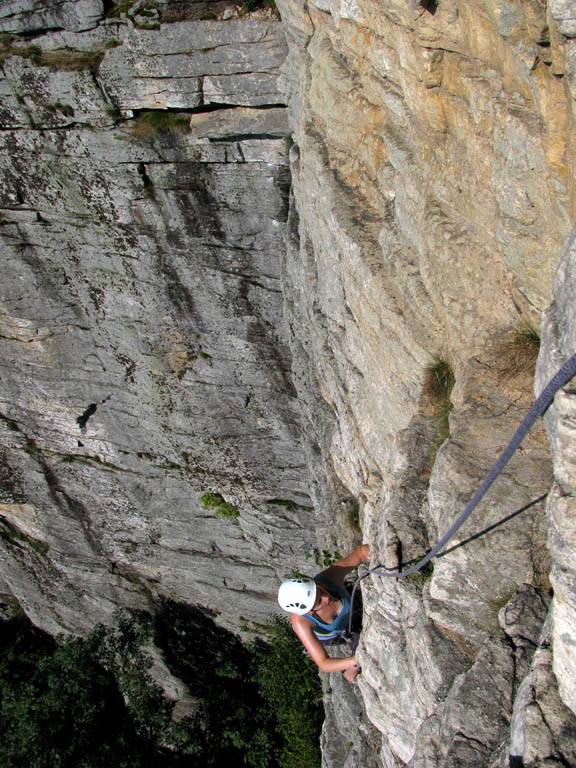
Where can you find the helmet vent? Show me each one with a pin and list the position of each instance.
(297, 595)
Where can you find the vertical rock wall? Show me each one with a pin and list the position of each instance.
(559, 336)
(433, 182)
(143, 196)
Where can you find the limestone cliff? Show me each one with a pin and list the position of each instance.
(145, 364)
(433, 190)
(232, 246)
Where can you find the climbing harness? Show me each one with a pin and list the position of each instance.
(540, 405)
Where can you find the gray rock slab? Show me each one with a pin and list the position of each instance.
(240, 122)
(252, 89)
(543, 728)
(559, 342)
(23, 16)
(156, 368)
(184, 66)
(50, 99)
(565, 16)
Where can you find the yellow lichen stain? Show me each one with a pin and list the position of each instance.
(557, 49)
(177, 353)
(552, 103)
(483, 43)
(429, 108)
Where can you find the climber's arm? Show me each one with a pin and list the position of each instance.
(340, 568)
(305, 632)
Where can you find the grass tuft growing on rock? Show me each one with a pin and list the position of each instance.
(148, 125)
(62, 59)
(517, 354)
(66, 60)
(437, 388)
(324, 558)
(119, 9)
(353, 518)
(424, 574)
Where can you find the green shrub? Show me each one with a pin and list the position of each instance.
(61, 707)
(216, 503)
(289, 683)
(260, 706)
(324, 558)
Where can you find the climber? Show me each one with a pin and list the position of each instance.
(320, 611)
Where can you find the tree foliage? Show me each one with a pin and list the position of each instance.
(288, 682)
(91, 703)
(58, 706)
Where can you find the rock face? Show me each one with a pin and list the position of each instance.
(559, 335)
(144, 356)
(194, 303)
(433, 188)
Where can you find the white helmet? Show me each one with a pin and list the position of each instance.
(297, 595)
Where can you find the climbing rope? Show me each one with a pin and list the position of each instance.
(542, 402)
